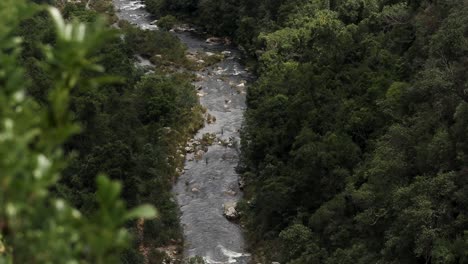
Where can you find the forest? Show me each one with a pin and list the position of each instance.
(354, 148)
(81, 108)
(355, 143)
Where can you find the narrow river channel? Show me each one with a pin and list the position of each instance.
(209, 182)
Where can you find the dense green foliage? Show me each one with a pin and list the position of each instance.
(160, 47)
(36, 225)
(355, 147)
(133, 126)
(354, 150)
(167, 22)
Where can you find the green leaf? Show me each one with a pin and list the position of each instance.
(143, 211)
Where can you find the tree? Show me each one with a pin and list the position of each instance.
(35, 225)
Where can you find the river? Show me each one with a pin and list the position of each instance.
(210, 182)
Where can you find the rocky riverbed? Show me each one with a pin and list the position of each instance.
(208, 188)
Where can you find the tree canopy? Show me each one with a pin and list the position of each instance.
(354, 148)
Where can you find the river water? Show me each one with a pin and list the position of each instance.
(210, 182)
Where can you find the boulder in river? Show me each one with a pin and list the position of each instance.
(184, 28)
(199, 154)
(191, 57)
(189, 149)
(214, 40)
(241, 85)
(230, 192)
(230, 211)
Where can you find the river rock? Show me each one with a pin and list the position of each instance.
(184, 28)
(214, 40)
(230, 211)
(199, 154)
(230, 192)
(189, 149)
(195, 190)
(191, 57)
(199, 76)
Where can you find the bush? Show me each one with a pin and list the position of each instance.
(167, 22)
(37, 226)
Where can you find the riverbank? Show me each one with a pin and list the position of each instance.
(149, 118)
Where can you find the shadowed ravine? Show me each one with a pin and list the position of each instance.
(211, 181)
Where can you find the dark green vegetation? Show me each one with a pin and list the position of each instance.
(167, 22)
(355, 149)
(36, 224)
(133, 125)
(160, 47)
